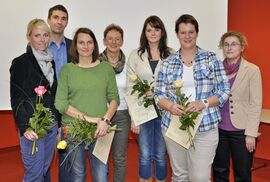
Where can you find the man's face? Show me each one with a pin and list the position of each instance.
(58, 21)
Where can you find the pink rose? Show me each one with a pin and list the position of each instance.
(40, 90)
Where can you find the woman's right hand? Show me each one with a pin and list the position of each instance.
(102, 128)
(176, 109)
(135, 129)
(30, 135)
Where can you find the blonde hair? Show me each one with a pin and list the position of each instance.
(36, 23)
(242, 39)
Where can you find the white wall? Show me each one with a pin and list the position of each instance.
(96, 15)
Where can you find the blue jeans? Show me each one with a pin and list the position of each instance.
(76, 163)
(152, 149)
(37, 165)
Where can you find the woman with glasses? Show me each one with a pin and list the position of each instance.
(238, 128)
(113, 40)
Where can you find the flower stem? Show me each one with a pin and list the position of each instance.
(34, 147)
(72, 151)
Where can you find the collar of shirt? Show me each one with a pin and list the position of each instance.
(63, 42)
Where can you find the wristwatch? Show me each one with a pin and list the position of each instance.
(106, 120)
(205, 102)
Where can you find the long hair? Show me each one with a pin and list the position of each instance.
(155, 22)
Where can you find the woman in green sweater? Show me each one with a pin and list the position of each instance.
(87, 90)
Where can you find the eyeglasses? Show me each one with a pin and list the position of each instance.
(111, 39)
(232, 45)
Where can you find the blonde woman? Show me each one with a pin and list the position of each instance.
(28, 71)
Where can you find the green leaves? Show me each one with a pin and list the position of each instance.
(142, 86)
(80, 130)
(39, 122)
(187, 119)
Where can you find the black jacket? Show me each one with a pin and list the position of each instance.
(25, 76)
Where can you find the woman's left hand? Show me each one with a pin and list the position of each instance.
(250, 143)
(102, 128)
(195, 106)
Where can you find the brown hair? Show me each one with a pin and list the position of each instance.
(155, 22)
(73, 48)
(113, 27)
(186, 18)
(55, 8)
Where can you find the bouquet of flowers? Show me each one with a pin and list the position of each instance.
(79, 131)
(41, 118)
(141, 86)
(186, 120)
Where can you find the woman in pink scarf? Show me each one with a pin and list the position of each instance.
(241, 113)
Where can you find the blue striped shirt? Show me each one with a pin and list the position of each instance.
(210, 80)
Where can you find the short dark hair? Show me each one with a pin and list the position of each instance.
(156, 22)
(73, 48)
(186, 18)
(55, 8)
(113, 27)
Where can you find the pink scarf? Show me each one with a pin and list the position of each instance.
(231, 68)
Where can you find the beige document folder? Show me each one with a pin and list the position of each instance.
(138, 113)
(181, 136)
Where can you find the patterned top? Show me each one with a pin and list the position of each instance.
(210, 80)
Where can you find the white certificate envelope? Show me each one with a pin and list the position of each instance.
(103, 146)
(181, 136)
(138, 113)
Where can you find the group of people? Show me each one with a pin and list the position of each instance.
(85, 84)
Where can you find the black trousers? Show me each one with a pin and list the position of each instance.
(232, 145)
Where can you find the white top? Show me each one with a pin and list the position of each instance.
(189, 83)
(122, 88)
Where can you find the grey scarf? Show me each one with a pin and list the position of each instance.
(44, 59)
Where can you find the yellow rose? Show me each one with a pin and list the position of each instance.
(62, 144)
(178, 84)
(133, 77)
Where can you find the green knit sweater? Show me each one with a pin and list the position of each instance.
(87, 89)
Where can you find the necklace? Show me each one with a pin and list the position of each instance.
(187, 63)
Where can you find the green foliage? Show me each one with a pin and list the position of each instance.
(142, 86)
(186, 120)
(80, 130)
(39, 122)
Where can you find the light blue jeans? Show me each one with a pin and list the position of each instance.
(77, 165)
(152, 149)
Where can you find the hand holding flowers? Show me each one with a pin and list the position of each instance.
(188, 116)
(40, 120)
(143, 88)
(80, 130)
